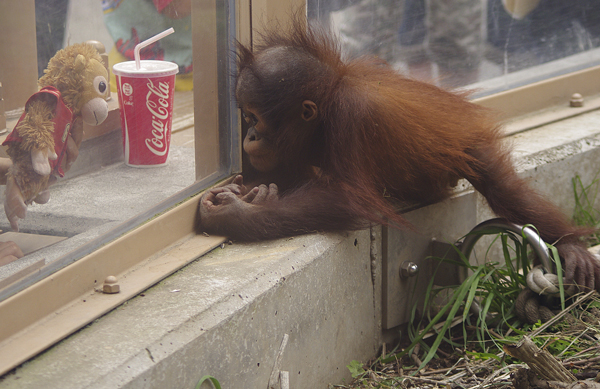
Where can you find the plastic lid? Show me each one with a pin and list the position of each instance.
(149, 67)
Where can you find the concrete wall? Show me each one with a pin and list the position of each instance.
(226, 315)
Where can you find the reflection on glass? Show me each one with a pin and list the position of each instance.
(99, 192)
(494, 44)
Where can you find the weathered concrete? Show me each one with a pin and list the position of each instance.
(226, 315)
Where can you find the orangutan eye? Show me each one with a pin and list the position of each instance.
(250, 118)
(100, 84)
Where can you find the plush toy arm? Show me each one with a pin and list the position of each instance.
(36, 128)
(36, 131)
(14, 206)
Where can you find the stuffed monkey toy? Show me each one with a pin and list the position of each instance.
(74, 87)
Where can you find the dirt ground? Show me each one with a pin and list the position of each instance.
(571, 340)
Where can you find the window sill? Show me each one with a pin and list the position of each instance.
(70, 296)
(230, 308)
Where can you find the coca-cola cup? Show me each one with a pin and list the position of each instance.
(146, 102)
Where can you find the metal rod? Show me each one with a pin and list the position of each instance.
(493, 226)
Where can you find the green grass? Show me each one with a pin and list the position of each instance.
(494, 287)
(585, 213)
(208, 378)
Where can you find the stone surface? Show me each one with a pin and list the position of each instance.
(225, 315)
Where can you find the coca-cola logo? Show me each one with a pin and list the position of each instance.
(127, 89)
(157, 102)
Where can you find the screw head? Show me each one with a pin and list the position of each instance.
(408, 269)
(110, 280)
(110, 285)
(576, 100)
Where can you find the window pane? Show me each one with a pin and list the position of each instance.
(101, 197)
(492, 45)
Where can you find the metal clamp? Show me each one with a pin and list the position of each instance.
(494, 226)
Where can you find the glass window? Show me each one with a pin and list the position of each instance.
(101, 197)
(488, 45)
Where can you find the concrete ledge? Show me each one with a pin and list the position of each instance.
(225, 315)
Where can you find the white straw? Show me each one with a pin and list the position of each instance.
(149, 41)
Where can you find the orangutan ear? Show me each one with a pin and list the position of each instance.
(309, 110)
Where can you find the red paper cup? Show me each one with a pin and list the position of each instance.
(146, 102)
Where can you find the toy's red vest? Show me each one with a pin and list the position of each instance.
(63, 121)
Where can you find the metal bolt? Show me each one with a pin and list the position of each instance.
(576, 100)
(110, 285)
(408, 269)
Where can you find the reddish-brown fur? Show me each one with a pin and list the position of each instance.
(380, 140)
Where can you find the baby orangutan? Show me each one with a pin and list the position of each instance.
(336, 144)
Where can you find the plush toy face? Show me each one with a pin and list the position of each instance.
(77, 72)
(95, 89)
